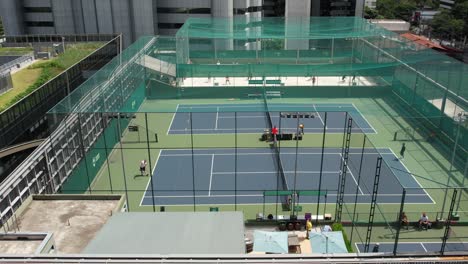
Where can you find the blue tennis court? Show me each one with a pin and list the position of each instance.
(251, 118)
(217, 180)
(414, 247)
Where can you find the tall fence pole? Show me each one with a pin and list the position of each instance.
(149, 159)
(321, 165)
(397, 235)
(193, 162)
(448, 222)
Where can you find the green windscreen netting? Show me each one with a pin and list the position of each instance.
(241, 58)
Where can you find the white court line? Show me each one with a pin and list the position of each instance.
(239, 116)
(172, 120)
(268, 172)
(217, 114)
(321, 120)
(261, 153)
(422, 245)
(150, 179)
(259, 128)
(261, 195)
(414, 178)
(359, 112)
(223, 106)
(352, 175)
(211, 174)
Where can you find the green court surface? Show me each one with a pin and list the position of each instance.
(428, 165)
(195, 92)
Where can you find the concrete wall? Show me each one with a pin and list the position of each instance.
(297, 19)
(63, 16)
(12, 17)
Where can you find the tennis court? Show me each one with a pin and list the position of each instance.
(251, 118)
(414, 247)
(220, 176)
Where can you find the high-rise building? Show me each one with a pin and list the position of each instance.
(447, 4)
(371, 3)
(135, 18)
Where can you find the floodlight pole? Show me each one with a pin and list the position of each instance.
(63, 43)
(460, 115)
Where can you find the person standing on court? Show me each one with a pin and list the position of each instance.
(274, 133)
(301, 128)
(308, 227)
(376, 248)
(143, 167)
(402, 151)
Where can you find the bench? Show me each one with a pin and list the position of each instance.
(278, 82)
(254, 95)
(273, 93)
(255, 81)
(287, 217)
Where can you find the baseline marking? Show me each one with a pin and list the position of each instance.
(217, 114)
(352, 175)
(172, 120)
(321, 120)
(211, 174)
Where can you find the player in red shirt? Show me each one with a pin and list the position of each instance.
(274, 132)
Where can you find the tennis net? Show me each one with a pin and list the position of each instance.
(283, 184)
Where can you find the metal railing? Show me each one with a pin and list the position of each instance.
(13, 64)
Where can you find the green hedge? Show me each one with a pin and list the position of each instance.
(46, 75)
(339, 227)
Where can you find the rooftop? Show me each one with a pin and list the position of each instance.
(73, 221)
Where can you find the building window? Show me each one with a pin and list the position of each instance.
(176, 10)
(252, 9)
(38, 9)
(170, 25)
(39, 23)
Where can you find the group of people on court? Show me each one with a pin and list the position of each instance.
(275, 131)
(423, 222)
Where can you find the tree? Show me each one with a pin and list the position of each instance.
(460, 11)
(1, 28)
(396, 9)
(404, 9)
(370, 13)
(447, 26)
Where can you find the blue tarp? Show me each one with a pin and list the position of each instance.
(270, 242)
(335, 241)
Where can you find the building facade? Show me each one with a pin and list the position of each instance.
(371, 3)
(135, 18)
(447, 4)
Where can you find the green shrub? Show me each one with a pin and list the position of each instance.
(54, 66)
(46, 75)
(339, 227)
